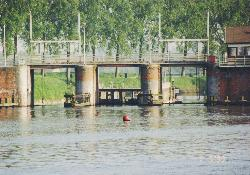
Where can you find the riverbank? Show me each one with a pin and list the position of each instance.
(52, 87)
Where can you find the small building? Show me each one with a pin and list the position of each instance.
(229, 83)
(238, 46)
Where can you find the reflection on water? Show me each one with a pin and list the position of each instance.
(179, 139)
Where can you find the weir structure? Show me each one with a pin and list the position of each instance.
(17, 76)
(17, 80)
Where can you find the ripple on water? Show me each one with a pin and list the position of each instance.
(94, 140)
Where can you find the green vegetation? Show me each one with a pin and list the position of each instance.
(108, 80)
(121, 26)
(188, 84)
(52, 87)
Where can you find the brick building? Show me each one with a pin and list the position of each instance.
(230, 80)
(238, 43)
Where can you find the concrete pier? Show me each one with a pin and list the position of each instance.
(150, 84)
(23, 84)
(32, 86)
(86, 81)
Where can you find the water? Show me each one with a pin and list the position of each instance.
(180, 139)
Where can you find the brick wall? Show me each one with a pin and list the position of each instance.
(8, 85)
(231, 82)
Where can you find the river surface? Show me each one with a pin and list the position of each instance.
(179, 139)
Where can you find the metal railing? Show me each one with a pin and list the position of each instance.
(8, 61)
(134, 58)
(235, 62)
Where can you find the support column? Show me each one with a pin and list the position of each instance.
(86, 81)
(150, 84)
(97, 98)
(23, 84)
(68, 72)
(212, 85)
(32, 82)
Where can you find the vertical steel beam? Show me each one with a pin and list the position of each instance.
(159, 35)
(79, 33)
(208, 33)
(30, 26)
(4, 45)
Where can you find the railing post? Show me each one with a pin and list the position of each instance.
(79, 34)
(208, 34)
(168, 52)
(84, 43)
(4, 45)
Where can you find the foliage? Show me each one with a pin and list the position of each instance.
(108, 80)
(188, 84)
(122, 25)
(52, 87)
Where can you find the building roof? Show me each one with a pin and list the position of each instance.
(238, 35)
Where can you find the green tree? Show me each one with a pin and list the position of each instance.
(13, 14)
(92, 13)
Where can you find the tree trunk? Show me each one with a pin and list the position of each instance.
(117, 52)
(44, 46)
(117, 58)
(140, 47)
(93, 52)
(3, 46)
(68, 72)
(163, 51)
(15, 47)
(185, 54)
(42, 72)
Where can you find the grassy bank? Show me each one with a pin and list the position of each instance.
(108, 80)
(53, 86)
(188, 84)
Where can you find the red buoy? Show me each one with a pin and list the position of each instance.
(126, 118)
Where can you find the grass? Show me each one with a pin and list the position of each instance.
(51, 87)
(108, 80)
(187, 84)
(54, 85)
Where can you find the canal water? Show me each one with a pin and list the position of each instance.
(179, 139)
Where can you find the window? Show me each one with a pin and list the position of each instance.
(240, 51)
(247, 51)
(12, 99)
(231, 51)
